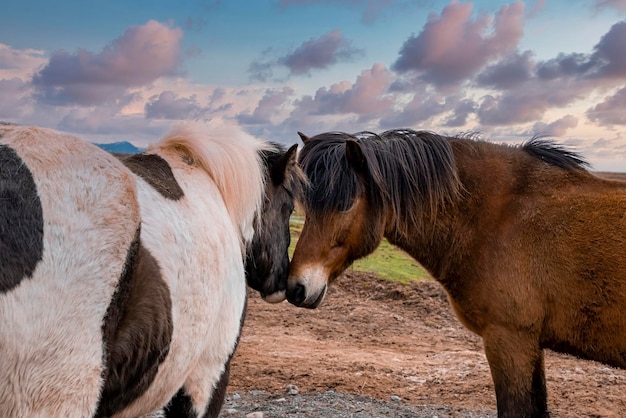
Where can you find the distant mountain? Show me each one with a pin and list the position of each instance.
(123, 147)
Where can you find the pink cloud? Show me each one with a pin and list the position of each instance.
(422, 107)
(606, 64)
(320, 53)
(509, 72)
(612, 111)
(14, 101)
(610, 52)
(452, 47)
(365, 97)
(25, 59)
(140, 56)
(168, 105)
(268, 106)
(314, 54)
(557, 128)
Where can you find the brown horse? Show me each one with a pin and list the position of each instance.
(529, 245)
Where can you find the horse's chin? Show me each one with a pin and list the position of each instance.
(275, 297)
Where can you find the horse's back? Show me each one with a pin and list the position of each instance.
(68, 216)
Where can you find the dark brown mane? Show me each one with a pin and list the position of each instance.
(411, 172)
(554, 154)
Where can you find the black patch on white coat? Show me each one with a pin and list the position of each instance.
(181, 404)
(137, 331)
(21, 221)
(155, 171)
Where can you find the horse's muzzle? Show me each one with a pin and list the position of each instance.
(297, 296)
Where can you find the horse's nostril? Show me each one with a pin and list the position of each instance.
(296, 294)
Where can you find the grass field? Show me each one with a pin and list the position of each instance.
(388, 261)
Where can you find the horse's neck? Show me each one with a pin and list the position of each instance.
(444, 238)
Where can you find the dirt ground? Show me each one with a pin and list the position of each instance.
(372, 340)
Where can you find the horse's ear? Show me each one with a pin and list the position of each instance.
(283, 164)
(354, 155)
(303, 137)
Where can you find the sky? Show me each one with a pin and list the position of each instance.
(115, 70)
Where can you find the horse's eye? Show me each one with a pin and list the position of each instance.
(339, 241)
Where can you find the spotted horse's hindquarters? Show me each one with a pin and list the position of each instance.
(68, 217)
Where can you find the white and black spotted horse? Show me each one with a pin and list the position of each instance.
(122, 281)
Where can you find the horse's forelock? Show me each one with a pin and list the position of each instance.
(333, 185)
(233, 160)
(295, 181)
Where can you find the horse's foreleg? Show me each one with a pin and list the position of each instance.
(516, 363)
(200, 397)
(181, 405)
(217, 399)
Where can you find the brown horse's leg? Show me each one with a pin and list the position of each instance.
(516, 364)
(539, 392)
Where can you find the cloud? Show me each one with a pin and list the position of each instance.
(557, 128)
(525, 90)
(268, 106)
(374, 9)
(14, 100)
(366, 97)
(619, 5)
(612, 111)
(19, 62)
(320, 53)
(452, 47)
(262, 70)
(421, 108)
(140, 56)
(511, 71)
(105, 124)
(344, 106)
(529, 102)
(168, 105)
(314, 54)
(461, 113)
(606, 62)
(610, 53)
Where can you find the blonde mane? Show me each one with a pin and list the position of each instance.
(232, 159)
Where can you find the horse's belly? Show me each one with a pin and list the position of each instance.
(47, 367)
(205, 274)
(193, 362)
